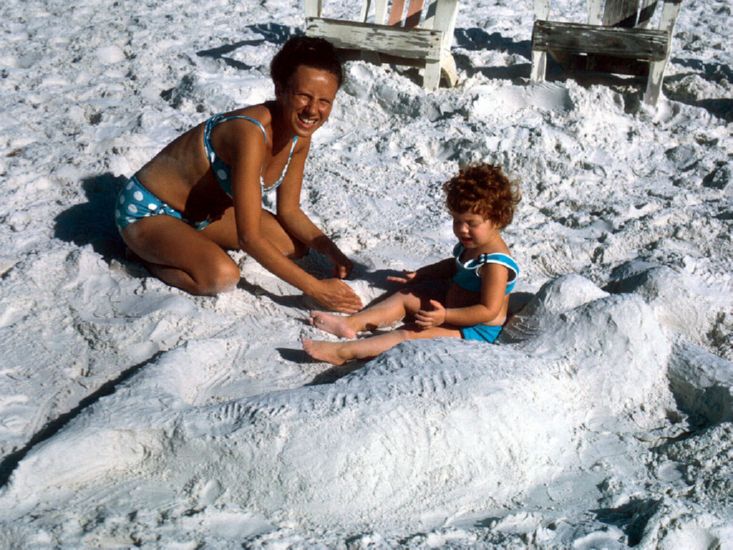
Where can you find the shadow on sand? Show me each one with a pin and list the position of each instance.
(92, 223)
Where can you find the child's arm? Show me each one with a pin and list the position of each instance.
(443, 269)
(493, 284)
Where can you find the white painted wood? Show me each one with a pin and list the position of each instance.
(654, 82)
(541, 9)
(670, 11)
(539, 65)
(412, 44)
(380, 12)
(313, 8)
(633, 42)
(616, 11)
(431, 76)
(448, 67)
(376, 42)
(594, 12)
(446, 12)
(364, 13)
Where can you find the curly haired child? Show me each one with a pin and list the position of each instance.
(464, 296)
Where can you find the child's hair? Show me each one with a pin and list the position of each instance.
(483, 189)
(318, 53)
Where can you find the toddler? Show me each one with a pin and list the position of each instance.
(464, 296)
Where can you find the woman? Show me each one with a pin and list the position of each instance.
(202, 193)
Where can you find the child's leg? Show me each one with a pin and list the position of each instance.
(393, 308)
(338, 353)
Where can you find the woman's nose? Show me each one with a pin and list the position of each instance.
(312, 107)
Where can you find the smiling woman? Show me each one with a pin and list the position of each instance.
(202, 194)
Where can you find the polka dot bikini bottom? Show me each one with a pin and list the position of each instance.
(135, 202)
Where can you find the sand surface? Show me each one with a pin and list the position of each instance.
(134, 414)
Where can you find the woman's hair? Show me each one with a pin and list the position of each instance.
(483, 189)
(304, 50)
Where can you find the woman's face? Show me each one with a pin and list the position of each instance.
(307, 100)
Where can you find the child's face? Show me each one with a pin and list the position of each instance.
(473, 230)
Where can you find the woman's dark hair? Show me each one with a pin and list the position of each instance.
(304, 50)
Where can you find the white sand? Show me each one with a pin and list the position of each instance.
(131, 413)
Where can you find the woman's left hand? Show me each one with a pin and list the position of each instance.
(431, 318)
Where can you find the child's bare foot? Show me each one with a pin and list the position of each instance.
(324, 351)
(335, 324)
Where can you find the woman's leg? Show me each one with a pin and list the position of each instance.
(338, 353)
(390, 310)
(180, 256)
(193, 260)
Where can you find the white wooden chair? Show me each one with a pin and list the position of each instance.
(413, 32)
(615, 39)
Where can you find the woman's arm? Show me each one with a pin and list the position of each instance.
(247, 197)
(444, 269)
(297, 223)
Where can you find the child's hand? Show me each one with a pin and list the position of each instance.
(406, 277)
(432, 318)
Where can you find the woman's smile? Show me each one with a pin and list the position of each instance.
(308, 101)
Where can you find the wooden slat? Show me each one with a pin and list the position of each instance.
(578, 38)
(594, 12)
(363, 14)
(313, 8)
(414, 12)
(541, 9)
(395, 16)
(380, 12)
(628, 13)
(412, 43)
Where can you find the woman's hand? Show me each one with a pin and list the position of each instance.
(336, 295)
(407, 277)
(431, 318)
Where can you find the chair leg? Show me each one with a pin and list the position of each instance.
(539, 65)
(654, 82)
(431, 76)
(448, 64)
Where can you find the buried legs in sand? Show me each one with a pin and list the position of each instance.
(392, 309)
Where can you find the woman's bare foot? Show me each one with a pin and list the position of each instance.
(335, 324)
(324, 351)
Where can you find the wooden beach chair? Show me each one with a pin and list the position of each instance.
(615, 40)
(404, 32)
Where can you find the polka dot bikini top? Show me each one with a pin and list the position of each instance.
(222, 171)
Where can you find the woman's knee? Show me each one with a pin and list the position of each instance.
(217, 277)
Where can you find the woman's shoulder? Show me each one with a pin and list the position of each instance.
(260, 112)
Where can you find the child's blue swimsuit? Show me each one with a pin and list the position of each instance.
(135, 202)
(467, 277)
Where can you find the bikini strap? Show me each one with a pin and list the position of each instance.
(218, 119)
(493, 258)
(501, 259)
